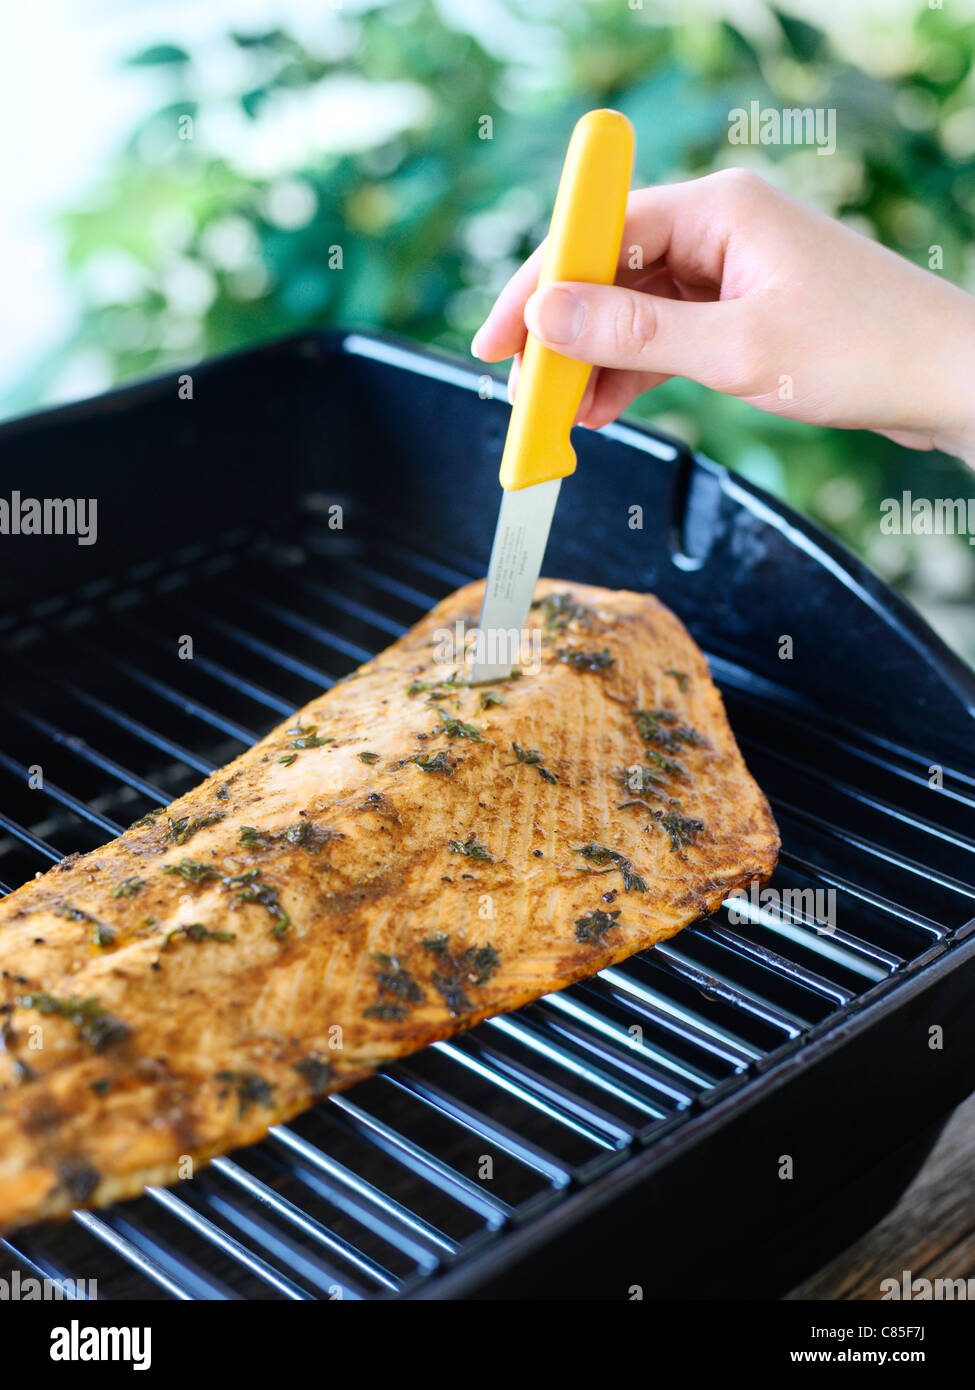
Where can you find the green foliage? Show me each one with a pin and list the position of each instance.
(196, 245)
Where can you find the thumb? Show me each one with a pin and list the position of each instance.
(632, 331)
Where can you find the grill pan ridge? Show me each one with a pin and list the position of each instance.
(615, 1165)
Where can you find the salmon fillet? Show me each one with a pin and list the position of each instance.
(403, 858)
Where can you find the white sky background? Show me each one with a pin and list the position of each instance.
(67, 103)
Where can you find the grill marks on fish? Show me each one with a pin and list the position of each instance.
(315, 913)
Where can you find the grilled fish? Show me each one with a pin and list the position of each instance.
(408, 855)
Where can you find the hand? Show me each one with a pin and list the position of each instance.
(749, 292)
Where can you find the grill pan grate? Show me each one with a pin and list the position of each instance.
(376, 1191)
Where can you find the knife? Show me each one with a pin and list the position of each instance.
(583, 244)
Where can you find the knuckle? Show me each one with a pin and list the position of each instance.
(634, 326)
(739, 185)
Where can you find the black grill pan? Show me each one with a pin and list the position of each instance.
(617, 1169)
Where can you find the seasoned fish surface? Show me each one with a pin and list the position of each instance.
(403, 858)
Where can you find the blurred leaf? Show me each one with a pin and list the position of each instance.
(807, 43)
(158, 54)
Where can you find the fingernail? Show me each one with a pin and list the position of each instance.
(555, 315)
(476, 342)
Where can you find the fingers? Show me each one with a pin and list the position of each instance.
(683, 229)
(636, 332)
(502, 333)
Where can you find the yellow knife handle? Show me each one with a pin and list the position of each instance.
(583, 244)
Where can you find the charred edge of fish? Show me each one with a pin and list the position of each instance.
(532, 758)
(94, 1023)
(192, 870)
(473, 848)
(251, 1089)
(586, 661)
(601, 857)
(593, 926)
(183, 828)
(316, 1071)
(128, 887)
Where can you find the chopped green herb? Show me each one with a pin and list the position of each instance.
(438, 944)
(651, 727)
(184, 828)
(600, 856)
(455, 728)
(369, 758)
(316, 1071)
(307, 736)
(79, 1177)
(594, 925)
(249, 887)
(388, 1010)
(148, 819)
(302, 834)
(394, 978)
(533, 758)
(288, 759)
(683, 830)
(681, 677)
(559, 610)
(311, 837)
(192, 870)
(434, 762)
(474, 966)
(223, 792)
(489, 698)
(251, 1090)
(95, 1025)
(128, 887)
(472, 847)
(196, 931)
(252, 838)
(640, 780)
(452, 992)
(101, 933)
(436, 689)
(665, 764)
(587, 661)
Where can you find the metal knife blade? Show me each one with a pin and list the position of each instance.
(516, 562)
(583, 244)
